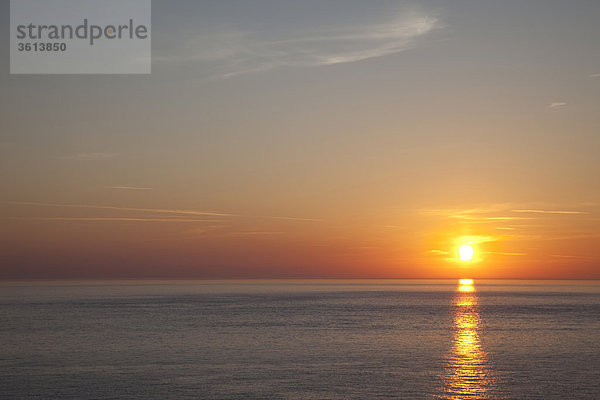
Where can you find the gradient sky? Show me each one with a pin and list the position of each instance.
(314, 139)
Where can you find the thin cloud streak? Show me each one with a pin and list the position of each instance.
(457, 213)
(130, 188)
(224, 231)
(483, 219)
(159, 211)
(498, 213)
(96, 207)
(236, 53)
(505, 254)
(253, 233)
(106, 219)
(549, 212)
(557, 104)
(436, 251)
(92, 156)
(571, 256)
(554, 237)
(478, 239)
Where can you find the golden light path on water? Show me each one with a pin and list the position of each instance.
(467, 373)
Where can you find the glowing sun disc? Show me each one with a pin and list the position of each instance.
(465, 252)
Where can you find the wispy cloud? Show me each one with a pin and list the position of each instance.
(475, 218)
(255, 233)
(159, 211)
(107, 219)
(505, 254)
(558, 104)
(594, 75)
(92, 156)
(498, 212)
(130, 188)
(554, 236)
(468, 212)
(570, 256)
(231, 53)
(436, 251)
(549, 211)
(478, 239)
(477, 215)
(99, 207)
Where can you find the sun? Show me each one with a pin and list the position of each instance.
(465, 252)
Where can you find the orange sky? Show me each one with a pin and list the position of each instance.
(58, 241)
(315, 141)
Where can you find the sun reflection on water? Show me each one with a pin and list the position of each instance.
(466, 374)
(466, 288)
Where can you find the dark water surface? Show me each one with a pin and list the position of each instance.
(404, 339)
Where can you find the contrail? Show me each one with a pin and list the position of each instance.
(156, 210)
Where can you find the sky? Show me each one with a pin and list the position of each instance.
(314, 139)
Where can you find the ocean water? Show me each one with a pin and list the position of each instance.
(396, 339)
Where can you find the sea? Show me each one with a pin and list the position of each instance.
(300, 339)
